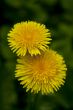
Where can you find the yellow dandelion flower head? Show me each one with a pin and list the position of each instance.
(29, 36)
(44, 73)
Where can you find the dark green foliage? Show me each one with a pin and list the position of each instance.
(57, 15)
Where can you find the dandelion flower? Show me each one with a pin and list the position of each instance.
(28, 36)
(44, 73)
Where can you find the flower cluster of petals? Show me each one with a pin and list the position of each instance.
(38, 68)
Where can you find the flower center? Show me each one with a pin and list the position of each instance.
(28, 38)
(40, 66)
(44, 69)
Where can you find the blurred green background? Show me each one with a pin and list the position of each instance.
(57, 15)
